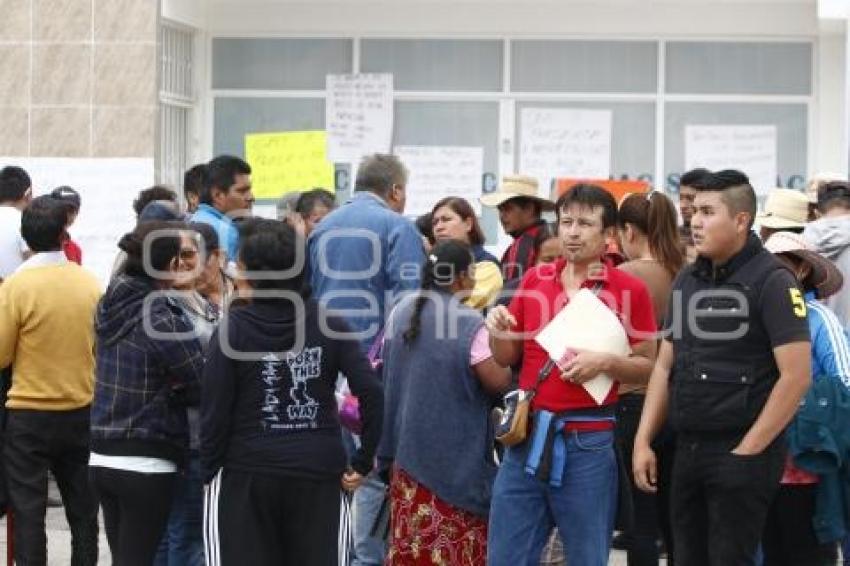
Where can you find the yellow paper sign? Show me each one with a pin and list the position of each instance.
(288, 161)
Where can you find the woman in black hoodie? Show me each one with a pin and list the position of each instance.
(271, 448)
(149, 363)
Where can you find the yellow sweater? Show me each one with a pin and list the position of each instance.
(47, 336)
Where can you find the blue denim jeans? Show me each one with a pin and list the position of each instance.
(369, 550)
(182, 543)
(524, 509)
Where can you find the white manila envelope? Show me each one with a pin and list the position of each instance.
(586, 323)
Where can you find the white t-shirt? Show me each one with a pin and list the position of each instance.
(12, 245)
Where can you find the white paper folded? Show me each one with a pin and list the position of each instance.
(586, 323)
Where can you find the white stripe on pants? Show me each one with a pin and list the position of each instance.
(211, 540)
(346, 538)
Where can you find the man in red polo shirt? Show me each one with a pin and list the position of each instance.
(582, 500)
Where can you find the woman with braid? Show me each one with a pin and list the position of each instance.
(440, 380)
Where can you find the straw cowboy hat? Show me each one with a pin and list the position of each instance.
(825, 276)
(516, 186)
(784, 208)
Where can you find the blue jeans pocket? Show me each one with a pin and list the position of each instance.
(593, 441)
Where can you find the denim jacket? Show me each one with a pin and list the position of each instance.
(363, 257)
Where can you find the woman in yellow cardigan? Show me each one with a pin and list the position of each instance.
(454, 219)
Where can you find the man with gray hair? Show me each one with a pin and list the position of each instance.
(362, 258)
(382, 251)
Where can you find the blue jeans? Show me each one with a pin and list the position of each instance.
(182, 543)
(524, 509)
(369, 550)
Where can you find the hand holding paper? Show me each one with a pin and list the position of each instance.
(580, 366)
(584, 327)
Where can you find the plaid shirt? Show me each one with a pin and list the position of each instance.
(144, 375)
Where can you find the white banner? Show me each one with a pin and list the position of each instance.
(751, 149)
(107, 189)
(437, 172)
(564, 142)
(358, 115)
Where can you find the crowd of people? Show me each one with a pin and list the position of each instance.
(328, 387)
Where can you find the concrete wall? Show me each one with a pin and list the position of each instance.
(78, 78)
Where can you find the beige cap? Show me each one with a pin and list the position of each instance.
(515, 186)
(784, 208)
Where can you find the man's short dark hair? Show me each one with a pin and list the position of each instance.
(271, 246)
(591, 196)
(14, 182)
(43, 224)
(307, 201)
(157, 192)
(835, 194)
(69, 196)
(693, 176)
(193, 179)
(221, 174)
(379, 172)
(735, 189)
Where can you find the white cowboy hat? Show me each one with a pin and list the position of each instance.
(784, 208)
(516, 186)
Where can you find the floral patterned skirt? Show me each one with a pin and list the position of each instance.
(428, 531)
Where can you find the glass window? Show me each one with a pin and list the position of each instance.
(739, 68)
(633, 135)
(435, 64)
(278, 64)
(791, 132)
(235, 117)
(584, 66)
(474, 124)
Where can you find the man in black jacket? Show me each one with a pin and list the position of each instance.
(730, 375)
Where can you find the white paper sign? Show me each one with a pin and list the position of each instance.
(438, 172)
(107, 188)
(564, 142)
(751, 149)
(358, 115)
(586, 323)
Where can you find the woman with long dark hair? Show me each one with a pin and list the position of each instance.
(649, 238)
(201, 299)
(149, 362)
(271, 446)
(453, 218)
(440, 381)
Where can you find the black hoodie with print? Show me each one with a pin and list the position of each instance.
(268, 403)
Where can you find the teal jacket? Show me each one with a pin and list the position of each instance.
(819, 442)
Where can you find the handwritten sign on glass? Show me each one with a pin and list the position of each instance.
(358, 115)
(288, 161)
(751, 149)
(437, 172)
(564, 142)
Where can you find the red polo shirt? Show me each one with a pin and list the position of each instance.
(541, 296)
